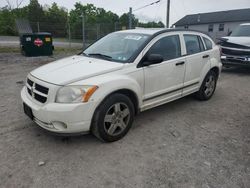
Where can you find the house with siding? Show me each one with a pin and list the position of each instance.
(216, 24)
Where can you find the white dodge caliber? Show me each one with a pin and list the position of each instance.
(126, 72)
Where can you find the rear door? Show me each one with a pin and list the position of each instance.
(197, 61)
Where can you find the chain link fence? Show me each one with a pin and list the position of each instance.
(77, 32)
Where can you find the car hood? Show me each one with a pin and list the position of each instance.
(75, 68)
(245, 41)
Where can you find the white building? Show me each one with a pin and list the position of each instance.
(216, 24)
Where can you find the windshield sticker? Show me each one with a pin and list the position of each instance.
(133, 37)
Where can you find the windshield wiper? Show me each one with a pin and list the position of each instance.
(100, 55)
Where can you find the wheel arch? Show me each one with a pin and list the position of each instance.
(216, 70)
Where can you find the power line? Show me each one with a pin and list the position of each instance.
(147, 5)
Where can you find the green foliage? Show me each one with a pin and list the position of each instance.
(55, 19)
(151, 25)
(7, 20)
(35, 12)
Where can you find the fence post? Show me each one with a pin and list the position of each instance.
(69, 32)
(130, 18)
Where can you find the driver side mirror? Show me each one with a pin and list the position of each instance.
(153, 59)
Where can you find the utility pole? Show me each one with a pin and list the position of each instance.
(130, 18)
(168, 14)
(83, 31)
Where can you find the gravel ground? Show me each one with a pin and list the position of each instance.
(183, 144)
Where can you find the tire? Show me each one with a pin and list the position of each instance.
(208, 87)
(113, 118)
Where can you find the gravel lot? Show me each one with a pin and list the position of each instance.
(183, 144)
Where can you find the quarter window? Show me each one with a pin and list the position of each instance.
(208, 43)
(201, 44)
(169, 47)
(193, 44)
(210, 28)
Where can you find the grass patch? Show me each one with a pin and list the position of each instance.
(9, 49)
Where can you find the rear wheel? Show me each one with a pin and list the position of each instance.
(208, 86)
(113, 118)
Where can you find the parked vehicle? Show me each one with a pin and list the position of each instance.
(236, 47)
(122, 74)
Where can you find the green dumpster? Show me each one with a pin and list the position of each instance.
(36, 44)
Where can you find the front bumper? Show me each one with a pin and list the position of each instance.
(61, 118)
(235, 60)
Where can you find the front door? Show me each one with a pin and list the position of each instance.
(164, 81)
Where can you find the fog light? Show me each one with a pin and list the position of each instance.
(59, 125)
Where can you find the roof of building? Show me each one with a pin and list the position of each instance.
(215, 17)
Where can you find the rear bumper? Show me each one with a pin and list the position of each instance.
(61, 118)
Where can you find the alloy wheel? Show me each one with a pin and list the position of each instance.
(116, 119)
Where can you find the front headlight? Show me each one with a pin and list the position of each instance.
(75, 94)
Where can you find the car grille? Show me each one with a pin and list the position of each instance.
(235, 52)
(37, 91)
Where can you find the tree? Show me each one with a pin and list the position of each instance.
(124, 20)
(35, 11)
(17, 5)
(7, 21)
(151, 25)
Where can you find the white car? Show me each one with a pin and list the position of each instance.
(122, 74)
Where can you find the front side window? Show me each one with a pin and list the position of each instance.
(210, 28)
(118, 47)
(193, 45)
(208, 43)
(169, 47)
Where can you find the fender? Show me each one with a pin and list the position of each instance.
(111, 83)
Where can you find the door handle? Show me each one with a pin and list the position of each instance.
(180, 63)
(205, 56)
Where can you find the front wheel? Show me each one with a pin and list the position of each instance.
(113, 118)
(208, 87)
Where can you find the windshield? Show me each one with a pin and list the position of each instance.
(241, 31)
(118, 47)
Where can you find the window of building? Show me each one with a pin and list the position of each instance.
(210, 27)
(208, 43)
(169, 47)
(186, 26)
(221, 27)
(193, 45)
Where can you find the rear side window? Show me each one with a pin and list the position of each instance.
(208, 43)
(193, 44)
(169, 47)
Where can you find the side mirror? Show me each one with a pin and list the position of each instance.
(153, 59)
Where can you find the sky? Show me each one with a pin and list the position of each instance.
(157, 12)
